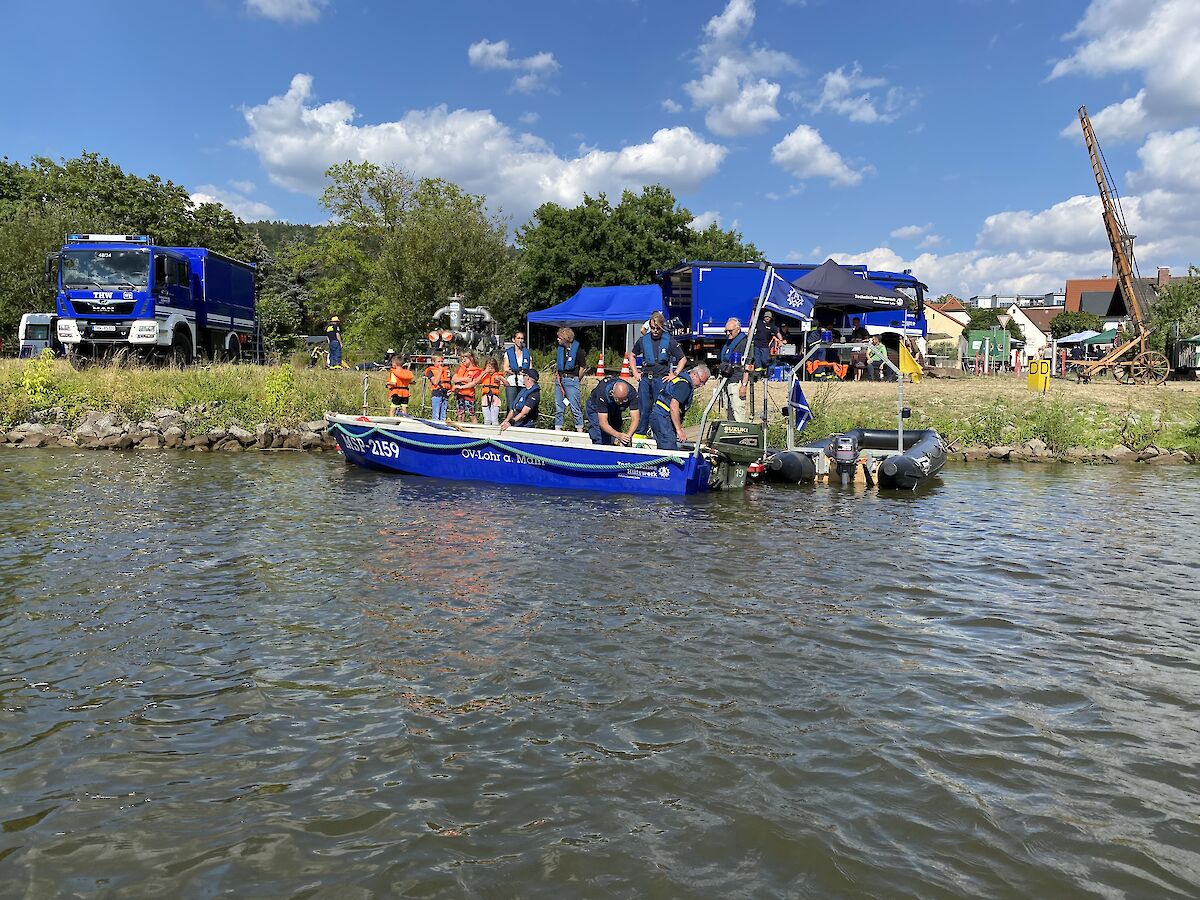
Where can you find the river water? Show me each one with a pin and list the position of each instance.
(274, 675)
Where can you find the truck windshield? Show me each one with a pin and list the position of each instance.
(105, 268)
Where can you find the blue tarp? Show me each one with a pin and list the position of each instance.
(594, 305)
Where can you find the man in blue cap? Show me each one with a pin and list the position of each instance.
(524, 410)
(605, 408)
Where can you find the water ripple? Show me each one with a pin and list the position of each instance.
(275, 675)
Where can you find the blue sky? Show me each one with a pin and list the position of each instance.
(939, 136)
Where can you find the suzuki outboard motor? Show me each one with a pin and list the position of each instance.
(844, 451)
(736, 445)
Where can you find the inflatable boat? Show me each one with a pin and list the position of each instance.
(877, 451)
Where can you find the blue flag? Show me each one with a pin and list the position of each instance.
(788, 300)
(799, 405)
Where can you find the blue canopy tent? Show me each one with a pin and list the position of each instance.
(620, 304)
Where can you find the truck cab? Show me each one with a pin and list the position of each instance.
(38, 332)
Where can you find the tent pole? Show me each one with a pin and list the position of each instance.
(603, 334)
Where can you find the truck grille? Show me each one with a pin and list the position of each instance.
(104, 307)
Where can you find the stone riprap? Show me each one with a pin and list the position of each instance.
(166, 429)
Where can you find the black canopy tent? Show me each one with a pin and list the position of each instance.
(832, 285)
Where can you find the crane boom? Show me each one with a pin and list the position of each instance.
(1118, 238)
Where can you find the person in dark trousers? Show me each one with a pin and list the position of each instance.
(524, 411)
(765, 332)
(662, 357)
(605, 411)
(672, 404)
(858, 332)
(516, 359)
(333, 331)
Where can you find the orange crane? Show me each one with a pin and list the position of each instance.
(1131, 361)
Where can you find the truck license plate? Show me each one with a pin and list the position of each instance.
(104, 328)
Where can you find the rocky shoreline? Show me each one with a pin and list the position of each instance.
(1037, 451)
(166, 429)
(169, 429)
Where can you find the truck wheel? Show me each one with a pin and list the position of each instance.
(181, 350)
(78, 361)
(233, 349)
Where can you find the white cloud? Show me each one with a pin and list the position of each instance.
(528, 118)
(1157, 38)
(243, 187)
(804, 154)
(287, 10)
(731, 24)
(930, 241)
(671, 106)
(910, 232)
(237, 203)
(862, 98)
(706, 218)
(1170, 160)
(534, 69)
(1070, 225)
(733, 89)
(296, 139)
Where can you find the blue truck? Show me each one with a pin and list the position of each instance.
(704, 295)
(122, 296)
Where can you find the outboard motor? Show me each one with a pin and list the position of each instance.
(844, 451)
(736, 445)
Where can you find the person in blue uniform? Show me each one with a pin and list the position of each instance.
(333, 332)
(674, 399)
(605, 411)
(733, 367)
(662, 358)
(568, 363)
(524, 410)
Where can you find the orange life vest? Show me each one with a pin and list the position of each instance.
(490, 384)
(462, 373)
(439, 378)
(399, 382)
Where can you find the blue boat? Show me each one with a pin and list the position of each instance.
(533, 457)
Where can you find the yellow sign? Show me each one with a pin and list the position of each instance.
(1039, 375)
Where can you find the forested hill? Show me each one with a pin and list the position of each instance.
(274, 234)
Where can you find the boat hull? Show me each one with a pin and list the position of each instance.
(426, 450)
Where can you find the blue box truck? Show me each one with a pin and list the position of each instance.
(704, 295)
(123, 296)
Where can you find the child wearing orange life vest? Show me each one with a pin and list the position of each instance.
(438, 376)
(399, 386)
(466, 378)
(491, 382)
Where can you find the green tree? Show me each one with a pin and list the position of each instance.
(985, 319)
(397, 250)
(598, 243)
(1177, 304)
(1071, 322)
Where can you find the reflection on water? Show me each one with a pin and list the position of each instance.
(276, 675)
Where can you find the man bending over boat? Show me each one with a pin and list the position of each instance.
(674, 400)
(605, 408)
(524, 411)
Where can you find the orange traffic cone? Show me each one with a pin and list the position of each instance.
(626, 372)
(600, 367)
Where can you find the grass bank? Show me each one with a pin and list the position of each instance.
(1000, 410)
(982, 412)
